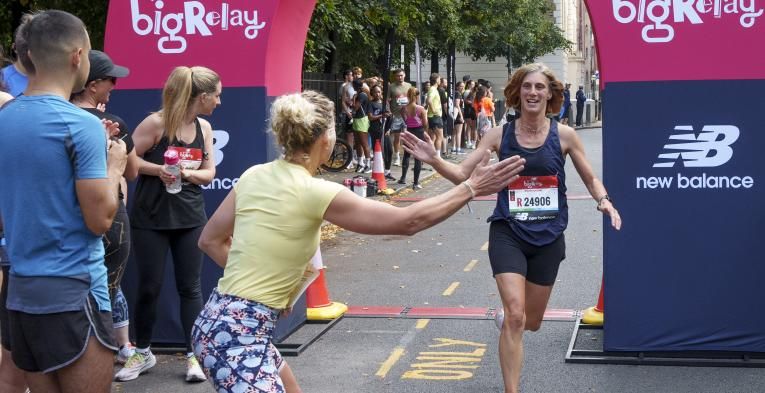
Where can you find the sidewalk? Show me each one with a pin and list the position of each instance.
(395, 171)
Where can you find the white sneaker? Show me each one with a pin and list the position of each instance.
(397, 161)
(125, 352)
(135, 365)
(194, 373)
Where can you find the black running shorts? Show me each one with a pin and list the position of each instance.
(48, 342)
(508, 253)
(5, 335)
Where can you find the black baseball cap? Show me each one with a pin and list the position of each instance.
(101, 67)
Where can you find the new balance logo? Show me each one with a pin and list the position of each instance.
(711, 148)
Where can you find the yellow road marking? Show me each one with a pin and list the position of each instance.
(485, 246)
(470, 265)
(390, 362)
(421, 323)
(449, 291)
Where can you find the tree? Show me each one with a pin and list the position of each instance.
(345, 33)
(521, 29)
(92, 13)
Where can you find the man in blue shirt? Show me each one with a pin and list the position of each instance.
(15, 74)
(60, 179)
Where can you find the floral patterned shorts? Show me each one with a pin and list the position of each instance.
(232, 340)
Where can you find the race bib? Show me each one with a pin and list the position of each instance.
(402, 100)
(191, 158)
(533, 198)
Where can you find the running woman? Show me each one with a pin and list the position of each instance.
(526, 243)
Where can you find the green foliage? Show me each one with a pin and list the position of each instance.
(345, 33)
(92, 12)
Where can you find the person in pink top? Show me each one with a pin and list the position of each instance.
(416, 121)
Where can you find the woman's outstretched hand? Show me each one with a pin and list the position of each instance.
(489, 179)
(422, 150)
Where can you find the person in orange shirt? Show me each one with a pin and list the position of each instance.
(484, 109)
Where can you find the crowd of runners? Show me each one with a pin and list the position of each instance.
(67, 234)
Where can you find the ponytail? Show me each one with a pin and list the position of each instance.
(184, 85)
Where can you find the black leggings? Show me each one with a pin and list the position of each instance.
(420, 133)
(150, 248)
(377, 134)
(117, 249)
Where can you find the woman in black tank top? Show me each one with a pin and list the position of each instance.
(163, 222)
(526, 242)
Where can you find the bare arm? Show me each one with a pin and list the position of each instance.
(387, 219)
(206, 172)
(131, 169)
(572, 146)
(98, 198)
(455, 173)
(145, 136)
(423, 118)
(215, 239)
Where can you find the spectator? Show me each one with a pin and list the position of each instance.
(377, 116)
(11, 378)
(347, 92)
(565, 111)
(397, 99)
(93, 99)
(447, 126)
(470, 115)
(361, 126)
(580, 100)
(57, 289)
(162, 222)
(267, 229)
(459, 118)
(16, 74)
(416, 121)
(435, 112)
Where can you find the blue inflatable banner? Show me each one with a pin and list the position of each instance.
(682, 93)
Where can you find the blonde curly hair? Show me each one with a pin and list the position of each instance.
(297, 120)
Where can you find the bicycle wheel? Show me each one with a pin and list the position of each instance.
(340, 158)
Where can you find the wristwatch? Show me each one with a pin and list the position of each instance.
(600, 200)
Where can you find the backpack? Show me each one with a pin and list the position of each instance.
(483, 124)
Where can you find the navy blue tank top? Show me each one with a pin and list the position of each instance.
(535, 205)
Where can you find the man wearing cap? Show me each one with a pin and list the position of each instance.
(60, 177)
(93, 99)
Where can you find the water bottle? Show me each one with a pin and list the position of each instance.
(172, 165)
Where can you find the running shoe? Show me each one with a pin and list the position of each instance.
(389, 176)
(416, 186)
(367, 169)
(136, 364)
(401, 181)
(125, 352)
(194, 373)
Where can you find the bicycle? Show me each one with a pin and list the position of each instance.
(341, 156)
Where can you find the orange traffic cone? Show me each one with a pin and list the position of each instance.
(319, 307)
(377, 170)
(594, 315)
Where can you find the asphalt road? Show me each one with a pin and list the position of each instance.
(447, 267)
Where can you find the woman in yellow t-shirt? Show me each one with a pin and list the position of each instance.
(267, 229)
